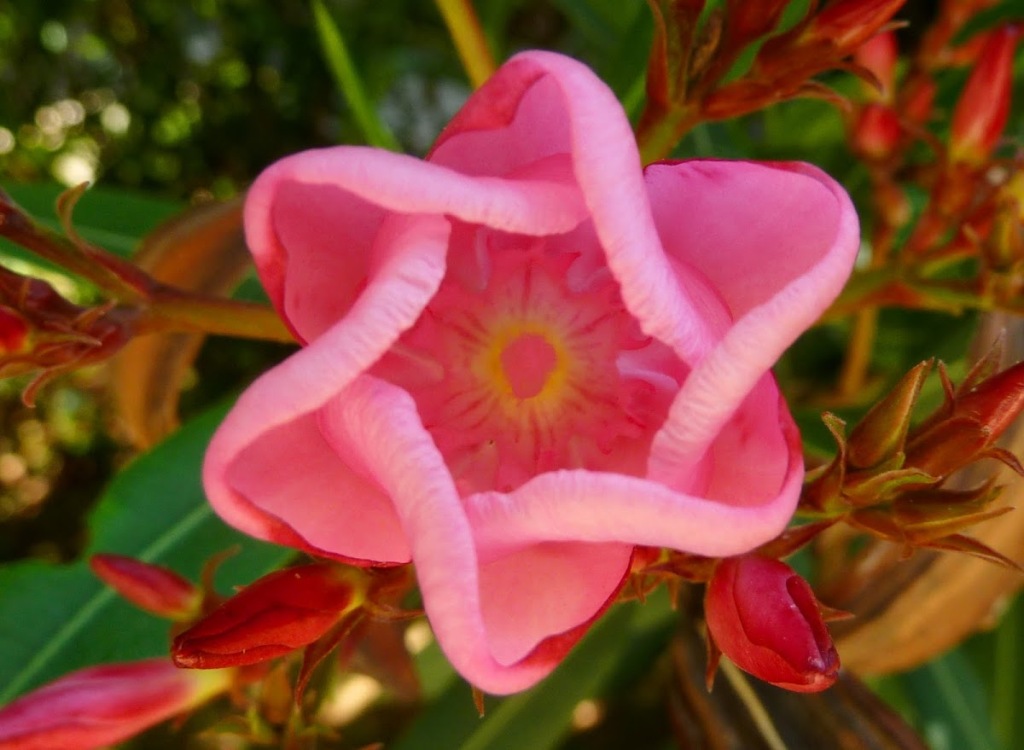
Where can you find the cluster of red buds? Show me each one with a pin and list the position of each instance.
(42, 332)
(975, 196)
(219, 646)
(45, 334)
(693, 54)
(886, 480)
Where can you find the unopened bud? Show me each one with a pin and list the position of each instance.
(13, 331)
(150, 587)
(984, 105)
(978, 418)
(876, 132)
(847, 24)
(879, 55)
(746, 21)
(995, 402)
(277, 614)
(100, 706)
(917, 98)
(764, 617)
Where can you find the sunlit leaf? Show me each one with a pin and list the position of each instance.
(111, 218)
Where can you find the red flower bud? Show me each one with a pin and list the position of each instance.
(916, 99)
(978, 418)
(99, 706)
(995, 402)
(279, 613)
(13, 331)
(764, 617)
(984, 105)
(746, 21)
(150, 587)
(847, 24)
(877, 132)
(879, 55)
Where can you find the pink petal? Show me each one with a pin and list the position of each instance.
(307, 496)
(287, 394)
(316, 224)
(545, 589)
(777, 242)
(541, 103)
(103, 705)
(753, 229)
(408, 264)
(750, 462)
(587, 506)
(379, 421)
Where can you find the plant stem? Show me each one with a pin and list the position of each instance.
(660, 130)
(858, 353)
(173, 310)
(469, 39)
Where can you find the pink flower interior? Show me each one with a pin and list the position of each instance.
(526, 361)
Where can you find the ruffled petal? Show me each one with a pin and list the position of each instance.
(287, 485)
(300, 385)
(315, 221)
(598, 507)
(540, 103)
(293, 475)
(753, 229)
(777, 243)
(379, 421)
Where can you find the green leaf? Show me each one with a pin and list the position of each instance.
(55, 619)
(344, 71)
(1007, 685)
(113, 219)
(951, 704)
(626, 640)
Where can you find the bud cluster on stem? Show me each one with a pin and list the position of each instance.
(888, 475)
(693, 53)
(42, 332)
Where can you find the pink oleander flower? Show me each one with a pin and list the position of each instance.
(523, 357)
(764, 617)
(99, 706)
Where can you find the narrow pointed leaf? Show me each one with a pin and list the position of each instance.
(344, 71)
